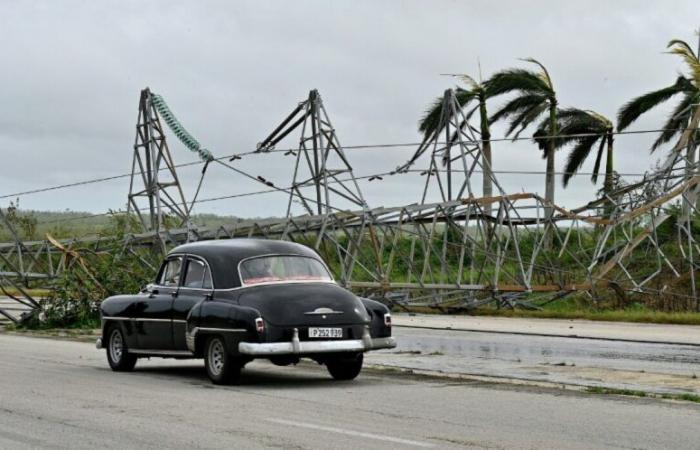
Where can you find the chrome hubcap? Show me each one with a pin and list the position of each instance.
(116, 346)
(216, 357)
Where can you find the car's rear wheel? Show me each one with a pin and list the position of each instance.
(118, 356)
(222, 368)
(345, 367)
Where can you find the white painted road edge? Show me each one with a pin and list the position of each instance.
(585, 329)
(378, 437)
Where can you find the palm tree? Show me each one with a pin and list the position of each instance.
(584, 130)
(536, 97)
(475, 91)
(686, 86)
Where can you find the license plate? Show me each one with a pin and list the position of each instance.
(325, 333)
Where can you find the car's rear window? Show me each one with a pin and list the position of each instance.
(280, 268)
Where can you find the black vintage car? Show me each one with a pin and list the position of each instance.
(231, 301)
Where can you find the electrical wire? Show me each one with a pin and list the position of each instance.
(350, 147)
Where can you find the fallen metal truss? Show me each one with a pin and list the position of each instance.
(464, 250)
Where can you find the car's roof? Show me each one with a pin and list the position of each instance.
(223, 255)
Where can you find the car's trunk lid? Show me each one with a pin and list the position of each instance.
(305, 304)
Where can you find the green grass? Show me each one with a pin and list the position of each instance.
(613, 391)
(621, 315)
(36, 293)
(579, 308)
(633, 393)
(686, 397)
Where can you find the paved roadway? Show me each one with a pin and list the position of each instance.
(617, 331)
(60, 394)
(651, 367)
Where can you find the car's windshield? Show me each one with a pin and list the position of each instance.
(267, 269)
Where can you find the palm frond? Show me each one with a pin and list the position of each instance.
(572, 125)
(525, 118)
(516, 105)
(676, 121)
(598, 158)
(516, 80)
(469, 81)
(544, 75)
(682, 49)
(631, 110)
(432, 121)
(540, 134)
(681, 44)
(577, 156)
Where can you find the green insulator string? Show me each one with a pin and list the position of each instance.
(178, 130)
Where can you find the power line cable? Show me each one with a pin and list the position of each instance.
(350, 147)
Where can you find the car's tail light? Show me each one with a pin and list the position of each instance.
(387, 320)
(259, 325)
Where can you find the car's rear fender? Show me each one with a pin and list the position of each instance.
(231, 321)
(377, 311)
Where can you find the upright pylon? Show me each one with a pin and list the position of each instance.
(455, 154)
(153, 174)
(321, 169)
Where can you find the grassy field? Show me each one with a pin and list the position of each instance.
(36, 293)
(64, 224)
(638, 315)
(576, 309)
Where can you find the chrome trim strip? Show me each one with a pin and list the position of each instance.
(160, 352)
(248, 286)
(296, 346)
(330, 312)
(224, 330)
(140, 319)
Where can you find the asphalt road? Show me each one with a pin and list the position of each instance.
(651, 367)
(60, 394)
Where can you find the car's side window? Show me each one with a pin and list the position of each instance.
(206, 284)
(170, 275)
(197, 275)
(194, 276)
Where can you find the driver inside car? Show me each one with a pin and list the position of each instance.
(258, 270)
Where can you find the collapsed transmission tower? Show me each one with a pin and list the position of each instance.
(320, 164)
(462, 250)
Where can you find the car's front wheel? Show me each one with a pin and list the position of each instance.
(118, 356)
(222, 368)
(345, 367)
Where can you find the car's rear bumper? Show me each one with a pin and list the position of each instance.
(297, 347)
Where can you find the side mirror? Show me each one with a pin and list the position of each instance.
(209, 295)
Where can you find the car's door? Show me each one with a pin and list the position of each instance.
(196, 286)
(154, 312)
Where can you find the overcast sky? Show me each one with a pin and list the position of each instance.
(72, 71)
